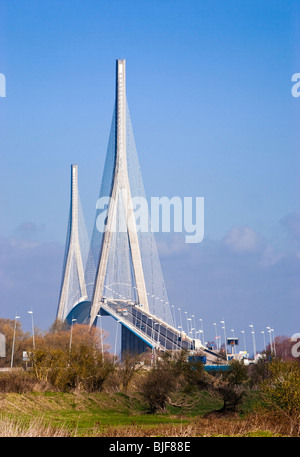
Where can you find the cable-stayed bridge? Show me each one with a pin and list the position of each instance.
(118, 273)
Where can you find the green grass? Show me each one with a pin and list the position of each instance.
(86, 412)
(99, 414)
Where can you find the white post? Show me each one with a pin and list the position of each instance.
(13, 345)
(32, 326)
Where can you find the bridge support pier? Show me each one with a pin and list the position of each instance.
(131, 344)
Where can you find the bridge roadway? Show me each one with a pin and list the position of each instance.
(153, 331)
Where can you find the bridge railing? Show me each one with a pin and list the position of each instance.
(157, 333)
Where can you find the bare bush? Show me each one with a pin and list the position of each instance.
(19, 381)
(156, 386)
(71, 364)
(10, 427)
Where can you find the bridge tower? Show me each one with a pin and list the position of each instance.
(123, 262)
(120, 200)
(73, 288)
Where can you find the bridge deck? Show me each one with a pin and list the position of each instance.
(153, 331)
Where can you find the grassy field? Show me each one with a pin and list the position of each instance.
(102, 414)
(90, 414)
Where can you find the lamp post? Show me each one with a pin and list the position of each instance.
(201, 337)
(116, 341)
(187, 322)
(102, 351)
(172, 306)
(158, 335)
(269, 331)
(264, 339)
(243, 333)
(179, 309)
(13, 345)
(71, 336)
(188, 328)
(194, 324)
(202, 331)
(233, 346)
(253, 338)
(157, 342)
(274, 348)
(32, 326)
(216, 336)
(224, 328)
(152, 332)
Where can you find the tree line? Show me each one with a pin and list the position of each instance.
(76, 359)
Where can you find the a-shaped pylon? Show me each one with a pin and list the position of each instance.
(73, 287)
(120, 206)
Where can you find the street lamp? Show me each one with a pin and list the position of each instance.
(13, 345)
(33, 341)
(187, 324)
(269, 331)
(233, 347)
(179, 309)
(202, 331)
(272, 330)
(102, 351)
(194, 323)
(116, 341)
(188, 328)
(243, 332)
(71, 335)
(253, 337)
(172, 306)
(156, 323)
(158, 334)
(223, 322)
(216, 336)
(151, 327)
(264, 339)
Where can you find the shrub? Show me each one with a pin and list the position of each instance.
(281, 390)
(18, 381)
(231, 386)
(67, 366)
(156, 387)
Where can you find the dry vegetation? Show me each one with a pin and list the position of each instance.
(79, 391)
(252, 425)
(10, 427)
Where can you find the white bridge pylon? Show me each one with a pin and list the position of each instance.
(120, 201)
(73, 269)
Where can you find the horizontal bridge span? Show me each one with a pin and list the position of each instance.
(154, 331)
(150, 329)
(122, 319)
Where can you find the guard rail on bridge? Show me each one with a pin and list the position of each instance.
(152, 330)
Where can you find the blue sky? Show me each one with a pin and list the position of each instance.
(209, 92)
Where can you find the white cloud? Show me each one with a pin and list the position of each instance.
(270, 257)
(242, 239)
